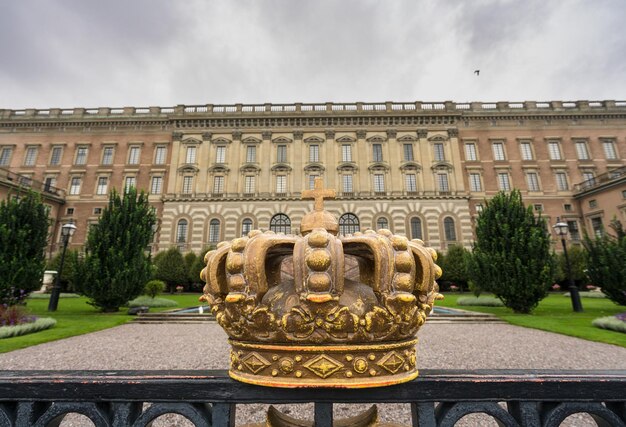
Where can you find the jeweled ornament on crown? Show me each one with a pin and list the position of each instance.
(321, 310)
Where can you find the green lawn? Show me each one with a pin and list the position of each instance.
(75, 317)
(555, 314)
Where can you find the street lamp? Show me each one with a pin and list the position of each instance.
(66, 232)
(561, 229)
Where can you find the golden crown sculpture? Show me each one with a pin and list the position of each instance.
(346, 316)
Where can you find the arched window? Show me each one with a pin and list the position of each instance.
(280, 223)
(382, 223)
(348, 224)
(181, 231)
(214, 231)
(416, 228)
(448, 229)
(246, 226)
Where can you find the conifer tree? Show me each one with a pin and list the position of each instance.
(23, 239)
(511, 256)
(117, 267)
(606, 261)
(454, 266)
(170, 268)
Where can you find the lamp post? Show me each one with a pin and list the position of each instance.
(561, 230)
(66, 232)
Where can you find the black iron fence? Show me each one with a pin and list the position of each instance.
(210, 398)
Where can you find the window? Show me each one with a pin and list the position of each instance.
(220, 154)
(623, 194)
(609, 150)
(474, 181)
(246, 226)
(597, 227)
(538, 207)
(581, 150)
(449, 229)
(249, 184)
(214, 231)
(589, 179)
(107, 155)
(410, 182)
(408, 152)
(346, 153)
(438, 151)
(101, 188)
(81, 155)
(157, 184)
(381, 223)
(49, 184)
(561, 181)
(55, 156)
(133, 155)
(379, 183)
(567, 207)
(159, 155)
(470, 152)
(31, 156)
(97, 211)
(314, 153)
(187, 184)
(251, 154)
(280, 223)
(348, 224)
(75, 186)
(498, 151)
(416, 228)
(312, 181)
(503, 181)
(526, 151)
(218, 184)
(442, 182)
(377, 152)
(281, 154)
(5, 156)
(181, 231)
(479, 208)
(593, 204)
(533, 181)
(572, 226)
(281, 184)
(554, 150)
(131, 181)
(25, 180)
(191, 155)
(347, 183)
(69, 211)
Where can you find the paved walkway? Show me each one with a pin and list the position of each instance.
(204, 346)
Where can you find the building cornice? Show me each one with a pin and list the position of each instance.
(303, 115)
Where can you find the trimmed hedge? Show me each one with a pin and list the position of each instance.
(610, 322)
(27, 328)
(480, 302)
(47, 296)
(152, 302)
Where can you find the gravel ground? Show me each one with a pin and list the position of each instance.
(204, 346)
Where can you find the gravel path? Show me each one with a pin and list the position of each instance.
(204, 346)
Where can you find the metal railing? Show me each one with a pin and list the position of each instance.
(210, 398)
(24, 181)
(612, 175)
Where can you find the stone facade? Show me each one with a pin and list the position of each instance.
(420, 169)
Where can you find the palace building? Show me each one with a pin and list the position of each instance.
(215, 172)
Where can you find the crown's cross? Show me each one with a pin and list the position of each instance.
(319, 194)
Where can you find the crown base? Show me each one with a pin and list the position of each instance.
(337, 366)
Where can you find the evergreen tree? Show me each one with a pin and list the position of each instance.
(196, 268)
(116, 267)
(511, 256)
(454, 266)
(190, 258)
(606, 261)
(69, 269)
(170, 268)
(578, 263)
(23, 239)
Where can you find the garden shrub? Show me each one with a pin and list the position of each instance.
(613, 323)
(154, 288)
(170, 268)
(151, 302)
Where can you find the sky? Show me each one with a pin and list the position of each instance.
(116, 53)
